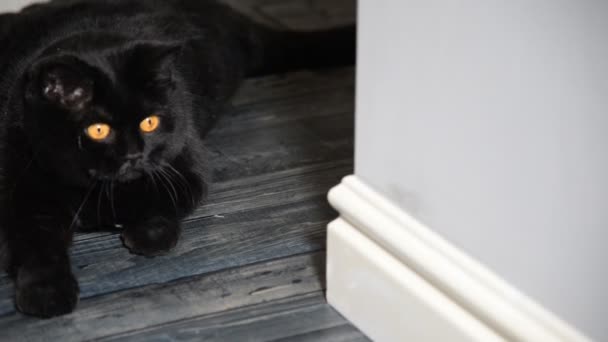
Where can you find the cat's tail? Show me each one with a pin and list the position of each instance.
(282, 51)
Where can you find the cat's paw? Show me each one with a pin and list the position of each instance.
(46, 295)
(156, 236)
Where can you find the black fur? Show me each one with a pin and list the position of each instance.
(73, 63)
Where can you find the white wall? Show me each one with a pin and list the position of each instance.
(488, 121)
(14, 5)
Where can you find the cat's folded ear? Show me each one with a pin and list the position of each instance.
(155, 62)
(156, 53)
(62, 81)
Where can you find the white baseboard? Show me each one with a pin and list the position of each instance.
(387, 300)
(397, 280)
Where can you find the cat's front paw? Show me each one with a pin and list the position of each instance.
(46, 294)
(154, 237)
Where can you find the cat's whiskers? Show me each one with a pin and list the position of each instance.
(184, 182)
(153, 179)
(163, 181)
(169, 181)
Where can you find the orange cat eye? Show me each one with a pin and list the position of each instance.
(99, 131)
(150, 124)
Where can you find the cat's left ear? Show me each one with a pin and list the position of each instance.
(63, 82)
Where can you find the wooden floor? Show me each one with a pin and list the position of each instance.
(250, 265)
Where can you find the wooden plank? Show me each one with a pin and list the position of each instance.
(295, 84)
(300, 318)
(152, 305)
(207, 245)
(342, 333)
(300, 126)
(281, 136)
(313, 106)
(289, 186)
(275, 149)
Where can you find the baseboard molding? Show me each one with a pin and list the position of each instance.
(375, 248)
(386, 299)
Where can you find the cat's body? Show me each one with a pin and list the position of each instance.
(104, 106)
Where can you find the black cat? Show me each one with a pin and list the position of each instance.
(104, 107)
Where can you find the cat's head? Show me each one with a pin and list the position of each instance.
(115, 114)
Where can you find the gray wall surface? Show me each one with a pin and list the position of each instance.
(14, 5)
(488, 121)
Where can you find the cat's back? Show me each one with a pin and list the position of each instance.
(41, 26)
(137, 18)
(143, 19)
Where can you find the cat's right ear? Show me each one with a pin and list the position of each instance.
(62, 83)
